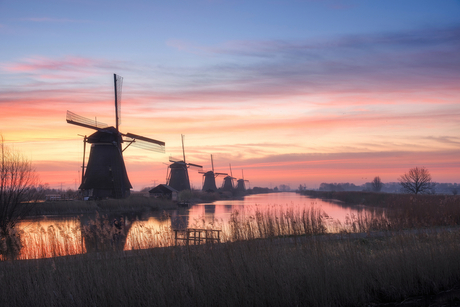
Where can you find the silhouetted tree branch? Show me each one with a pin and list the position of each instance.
(18, 190)
(417, 180)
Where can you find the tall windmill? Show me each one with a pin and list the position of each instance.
(241, 187)
(227, 185)
(210, 179)
(177, 176)
(105, 174)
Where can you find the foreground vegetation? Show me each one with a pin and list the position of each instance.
(404, 252)
(309, 271)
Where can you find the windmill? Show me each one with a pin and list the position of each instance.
(177, 176)
(227, 185)
(210, 179)
(241, 187)
(105, 174)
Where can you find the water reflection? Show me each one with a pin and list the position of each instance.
(59, 236)
(154, 232)
(50, 237)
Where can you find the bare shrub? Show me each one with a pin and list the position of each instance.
(19, 192)
(416, 181)
(377, 184)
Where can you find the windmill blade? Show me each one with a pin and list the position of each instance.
(78, 120)
(118, 84)
(194, 165)
(146, 143)
(217, 174)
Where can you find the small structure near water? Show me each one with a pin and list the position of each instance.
(194, 236)
(164, 191)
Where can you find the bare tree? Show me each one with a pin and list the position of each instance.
(377, 184)
(18, 192)
(417, 180)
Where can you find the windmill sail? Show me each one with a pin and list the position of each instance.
(78, 120)
(145, 143)
(118, 84)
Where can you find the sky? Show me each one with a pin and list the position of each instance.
(288, 92)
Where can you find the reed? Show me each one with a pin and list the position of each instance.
(270, 258)
(314, 271)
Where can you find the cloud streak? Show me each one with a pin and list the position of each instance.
(58, 20)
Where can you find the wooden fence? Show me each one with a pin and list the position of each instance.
(196, 236)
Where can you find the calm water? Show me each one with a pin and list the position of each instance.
(59, 236)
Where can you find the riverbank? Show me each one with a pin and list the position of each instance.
(378, 199)
(134, 203)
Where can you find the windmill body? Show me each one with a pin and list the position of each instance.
(241, 186)
(177, 177)
(105, 174)
(209, 184)
(227, 185)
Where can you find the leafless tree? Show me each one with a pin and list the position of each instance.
(18, 192)
(417, 180)
(377, 184)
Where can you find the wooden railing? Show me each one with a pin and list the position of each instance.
(196, 236)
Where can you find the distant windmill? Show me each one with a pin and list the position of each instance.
(241, 187)
(227, 185)
(106, 174)
(177, 176)
(210, 179)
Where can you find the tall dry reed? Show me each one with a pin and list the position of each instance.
(313, 271)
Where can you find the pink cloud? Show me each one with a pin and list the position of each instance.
(39, 63)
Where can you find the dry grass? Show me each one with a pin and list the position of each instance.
(314, 271)
(278, 258)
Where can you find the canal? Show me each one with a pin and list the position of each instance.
(59, 236)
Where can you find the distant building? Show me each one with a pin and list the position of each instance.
(164, 191)
(50, 197)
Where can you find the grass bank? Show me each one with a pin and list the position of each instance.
(313, 271)
(402, 210)
(134, 203)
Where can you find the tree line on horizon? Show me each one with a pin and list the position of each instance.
(388, 187)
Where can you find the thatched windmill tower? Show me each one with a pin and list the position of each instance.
(241, 187)
(106, 175)
(177, 176)
(227, 184)
(209, 177)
